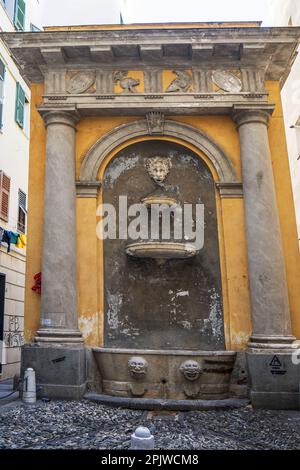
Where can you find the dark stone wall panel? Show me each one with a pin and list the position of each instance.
(177, 305)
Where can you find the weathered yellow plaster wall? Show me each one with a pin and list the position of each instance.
(89, 130)
(285, 204)
(87, 272)
(35, 212)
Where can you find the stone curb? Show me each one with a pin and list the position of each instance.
(172, 405)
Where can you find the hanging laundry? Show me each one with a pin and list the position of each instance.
(10, 238)
(22, 241)
(1, 234)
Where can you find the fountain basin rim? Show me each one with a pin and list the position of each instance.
(170, 352)
(161, 250)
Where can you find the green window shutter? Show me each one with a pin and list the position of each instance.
(20, 105)
(2, 70)
(19, 15)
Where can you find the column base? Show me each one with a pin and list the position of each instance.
(271, 342)
(60, 369)
(53, 335)
(274, 378)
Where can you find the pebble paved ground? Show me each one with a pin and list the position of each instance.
(86, 425)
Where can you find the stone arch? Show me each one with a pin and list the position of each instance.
(99, 151)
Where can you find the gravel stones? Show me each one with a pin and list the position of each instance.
(86, 425)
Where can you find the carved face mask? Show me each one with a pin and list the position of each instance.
(137, 367)
(158, 168)
(191, 370)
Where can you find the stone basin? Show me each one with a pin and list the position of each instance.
(161, 250)
(162, 374)
(160, 200)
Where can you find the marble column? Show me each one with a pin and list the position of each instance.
(268, 286)
(59, 322)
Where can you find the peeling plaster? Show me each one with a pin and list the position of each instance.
(113, 172)
(240, 339)
(186, 324)
(88, 325)
(114, 302)
(183, 293)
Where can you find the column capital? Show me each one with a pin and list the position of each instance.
(68, 116)
(246, 115)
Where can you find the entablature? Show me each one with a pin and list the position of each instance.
(269, 49)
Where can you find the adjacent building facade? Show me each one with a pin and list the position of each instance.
(186, 113)
(14, 159)
(287, 13)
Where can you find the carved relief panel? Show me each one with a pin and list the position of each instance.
(227, 81)
(177, 81)
(128, 81)
(80, 82)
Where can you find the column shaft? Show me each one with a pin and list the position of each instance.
(58, 300)
(268, 287)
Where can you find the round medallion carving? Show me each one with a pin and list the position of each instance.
(80, 82)
(227, 81)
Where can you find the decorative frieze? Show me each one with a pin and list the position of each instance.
(253, 80)
(55, 82)
(227, 81)
(202, 80)
(104, 81)
(128, 84)
(181, 84)
(81, 82)
(153, 81)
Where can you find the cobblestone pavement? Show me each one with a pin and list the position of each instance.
(86, 425)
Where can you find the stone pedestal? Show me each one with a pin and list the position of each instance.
(60, 369)
(274, 380)
(271, 335)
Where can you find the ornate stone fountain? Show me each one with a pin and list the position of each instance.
(163, 330)
(158, 169)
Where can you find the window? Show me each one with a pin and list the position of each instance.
(22, 212)
(2, 73)
(10, 8)
(19, 18)
(20, 106)
(4, 195)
